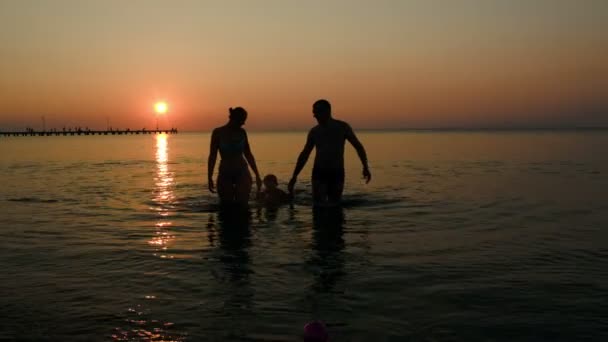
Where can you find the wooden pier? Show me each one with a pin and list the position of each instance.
(86, 132)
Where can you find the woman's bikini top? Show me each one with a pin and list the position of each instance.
(232, 148)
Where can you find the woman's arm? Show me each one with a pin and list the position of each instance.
(251, 161)
(213, 148)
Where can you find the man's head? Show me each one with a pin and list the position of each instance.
(321, 111)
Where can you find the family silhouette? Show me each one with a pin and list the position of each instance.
(327, 138)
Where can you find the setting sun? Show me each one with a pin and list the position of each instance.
(160, 107)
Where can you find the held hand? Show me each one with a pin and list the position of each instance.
(291, 185)
(367, 175)
(258, 183)
(211, 186)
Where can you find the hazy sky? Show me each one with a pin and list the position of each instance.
(382, 64)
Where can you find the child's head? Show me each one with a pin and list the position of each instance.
(315, 331)
(271, 181)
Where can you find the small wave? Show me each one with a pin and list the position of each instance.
(368, 200)
(32, 200)
(200, 207)
(192, 186)
(123, 162)
(24, 165)
(201, 203)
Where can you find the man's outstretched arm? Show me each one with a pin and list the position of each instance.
(352, 139)
(302, 159)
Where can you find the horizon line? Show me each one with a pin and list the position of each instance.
(400, 129)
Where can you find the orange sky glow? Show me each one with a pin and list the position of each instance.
(382, 64)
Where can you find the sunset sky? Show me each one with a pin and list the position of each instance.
(382, 64)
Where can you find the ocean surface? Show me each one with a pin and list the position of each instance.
(460, 236)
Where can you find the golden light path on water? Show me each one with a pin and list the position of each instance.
(142, 327)
(163, 196)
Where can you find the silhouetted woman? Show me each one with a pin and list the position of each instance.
(234, 179)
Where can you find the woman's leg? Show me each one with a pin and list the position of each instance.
(225, 188)
(243, 188)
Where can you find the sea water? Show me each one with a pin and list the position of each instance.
(467, 235)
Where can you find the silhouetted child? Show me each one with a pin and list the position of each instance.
(272, 195)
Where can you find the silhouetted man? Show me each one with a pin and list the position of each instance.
(328, 138)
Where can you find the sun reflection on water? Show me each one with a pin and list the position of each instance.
(163, 197)
(164, 177)
(138, 320)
